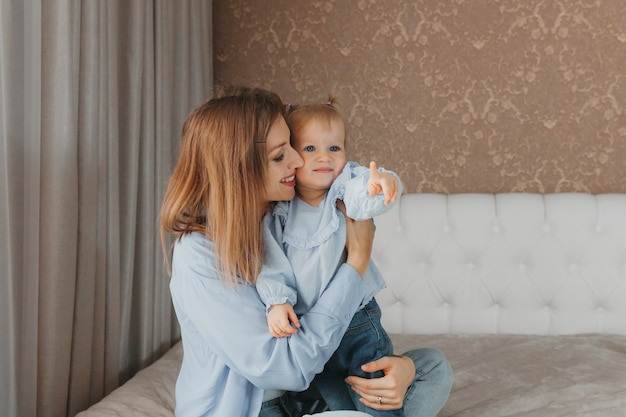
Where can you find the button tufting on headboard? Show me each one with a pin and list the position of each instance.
(504, 263)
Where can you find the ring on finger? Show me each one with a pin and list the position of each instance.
(380, 400)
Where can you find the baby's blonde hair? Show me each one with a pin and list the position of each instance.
(299, 115)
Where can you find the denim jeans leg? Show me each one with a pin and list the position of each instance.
(369, 342)
(334, 390)
(431, 387)
(271, 408)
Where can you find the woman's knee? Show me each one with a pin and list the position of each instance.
(431, 364)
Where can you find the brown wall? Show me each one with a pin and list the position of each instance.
(455, 95)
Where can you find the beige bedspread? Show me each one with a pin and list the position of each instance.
(150, 393)
(541, 376)
(495, 376)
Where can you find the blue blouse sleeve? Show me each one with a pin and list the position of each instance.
(229, 320)
(351, 187)
(276, 283)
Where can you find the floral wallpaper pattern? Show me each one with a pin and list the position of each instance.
(454, 95)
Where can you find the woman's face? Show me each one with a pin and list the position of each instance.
(282, 163)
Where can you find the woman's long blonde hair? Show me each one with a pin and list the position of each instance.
(218, 184)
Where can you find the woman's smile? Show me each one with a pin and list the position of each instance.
(289, 181)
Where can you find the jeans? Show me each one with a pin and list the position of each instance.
(288, 406)
(365, 340)
(425, 397)
(432, 383)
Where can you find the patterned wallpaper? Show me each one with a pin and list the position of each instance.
(454, 95)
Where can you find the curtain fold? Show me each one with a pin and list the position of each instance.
(92, 100)
(12, 41)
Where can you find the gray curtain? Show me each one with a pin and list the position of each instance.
(93, 94)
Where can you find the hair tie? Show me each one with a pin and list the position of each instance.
(329, 103)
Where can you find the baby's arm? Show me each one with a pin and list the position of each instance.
(275, 284)
(368, 192)
(382, 183)
(282, 320)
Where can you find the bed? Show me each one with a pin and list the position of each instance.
(524, 293)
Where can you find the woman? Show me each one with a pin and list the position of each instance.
(235, 161)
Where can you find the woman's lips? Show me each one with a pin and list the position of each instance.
(289, 181)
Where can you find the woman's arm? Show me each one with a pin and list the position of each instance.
(230, 320)
(359, 241)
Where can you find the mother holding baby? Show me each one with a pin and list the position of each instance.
(236, 161)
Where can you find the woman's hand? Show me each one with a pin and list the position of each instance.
(387, 392)
(359, 240)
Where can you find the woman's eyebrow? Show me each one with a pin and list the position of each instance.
(276, 148)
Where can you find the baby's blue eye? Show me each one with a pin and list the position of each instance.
(309, 148)
(335, 148)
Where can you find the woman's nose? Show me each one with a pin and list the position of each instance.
(296, 159)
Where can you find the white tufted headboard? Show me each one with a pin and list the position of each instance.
(513, 263)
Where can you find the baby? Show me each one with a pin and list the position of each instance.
(314, 237)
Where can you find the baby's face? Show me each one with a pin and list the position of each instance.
(322, 147)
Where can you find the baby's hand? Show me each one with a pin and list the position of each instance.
(382, 183)
(282, 320)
